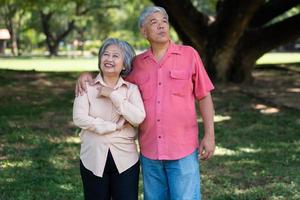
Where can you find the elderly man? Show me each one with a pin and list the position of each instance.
(171, 78)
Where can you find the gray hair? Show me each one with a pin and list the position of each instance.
(127, 50)
(149, 11)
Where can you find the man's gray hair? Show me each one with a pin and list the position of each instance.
(127, 50)
(149, 11)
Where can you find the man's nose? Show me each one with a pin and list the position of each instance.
(161, 25)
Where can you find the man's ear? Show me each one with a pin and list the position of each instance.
(143, 32)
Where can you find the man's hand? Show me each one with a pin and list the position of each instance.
(104, 91)
(207, 147)
(80, 88)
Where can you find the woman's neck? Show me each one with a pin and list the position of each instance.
(110, 81)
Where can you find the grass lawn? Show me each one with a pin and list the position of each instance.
(61, 64)
(257, 155)
(67, 64)
(279, 58)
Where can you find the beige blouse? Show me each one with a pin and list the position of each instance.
(97, 118)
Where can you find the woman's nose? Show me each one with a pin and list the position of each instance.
(109, 58)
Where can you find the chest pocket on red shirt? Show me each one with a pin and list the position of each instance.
(180, 82)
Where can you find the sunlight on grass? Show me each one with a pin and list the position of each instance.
(67, 187)
(217, 118)
(264, 109)
(75, 140)
(22, 164)
(223, 151)
(279, 58)
(249, 150)
(50, 64)
(293, 90)
(10, 180)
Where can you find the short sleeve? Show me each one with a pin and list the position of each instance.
(131, 77)
(202, 82)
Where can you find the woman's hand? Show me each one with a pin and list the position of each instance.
(121, 123)
(104, 91)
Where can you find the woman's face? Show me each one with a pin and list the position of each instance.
(112, 61)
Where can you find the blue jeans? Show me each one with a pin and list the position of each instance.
(171, 179)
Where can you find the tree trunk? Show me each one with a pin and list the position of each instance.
(53, 49)
(53, 39)
(232, 41)
(13, 38)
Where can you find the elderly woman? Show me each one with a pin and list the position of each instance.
(108, 114)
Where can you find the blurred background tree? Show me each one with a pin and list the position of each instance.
(230, 35)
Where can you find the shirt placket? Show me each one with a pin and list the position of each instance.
(159, 110)
(161, 137)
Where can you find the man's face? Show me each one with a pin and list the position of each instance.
(156, 28)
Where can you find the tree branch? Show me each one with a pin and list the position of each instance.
(45, 18)
(270, 10)
(233, 17)
(270, 37)
(71, 26)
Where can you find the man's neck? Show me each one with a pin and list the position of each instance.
(159, 50)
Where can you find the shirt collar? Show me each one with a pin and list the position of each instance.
(172, 49)
(120, 82)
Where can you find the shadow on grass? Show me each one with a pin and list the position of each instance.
(257, 155)
(38, 168)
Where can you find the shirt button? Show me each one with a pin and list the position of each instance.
(159, 83)
(159, 137)
(158, 120)
(158, 101)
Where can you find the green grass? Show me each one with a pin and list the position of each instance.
(257, 156)
(67, 64)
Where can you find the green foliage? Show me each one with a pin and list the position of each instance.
(206, 6)
(293, 11)
(93, 19)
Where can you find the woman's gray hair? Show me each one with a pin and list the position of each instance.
(149, 11)
(127, 50)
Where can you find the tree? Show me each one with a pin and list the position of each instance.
(59, 18)
(241, 31)
(11, 12)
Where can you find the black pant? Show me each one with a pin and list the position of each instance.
(112, 185)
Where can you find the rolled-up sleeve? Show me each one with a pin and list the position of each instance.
(82, 119)
(202, 83)
(130, 107)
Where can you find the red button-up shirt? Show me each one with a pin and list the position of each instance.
(169, 89)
